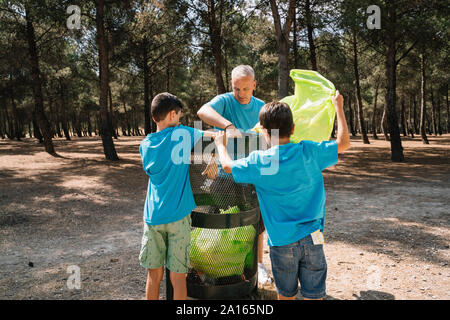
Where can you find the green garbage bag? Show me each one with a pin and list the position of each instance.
(311, 106)
(222, 252)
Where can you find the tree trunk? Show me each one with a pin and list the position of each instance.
(295, 42)
(2, 132)
(391, 76)
(3, 123)
(402, 117)
(433, 111)
(52, 115)
(58, 121)
(216, 43)
(283, 67)
(41, 118)
(105, 129)
(135, 122)
(97, 123)
(428, 124)
(374, 123)
(384, 127)
(350, 116)
(448, 113)
(415, 115)
(438, 111)
(30, 124)
(310, 31)
(9, 126)
(16, 132)
(112, 119)
(64, 112)
(127, 119)
(36, 130)
(147, 120)
(151, 93)
(227, 66)
(358, 92)
(116, 123)
(169, 62)
(77, 123)
(423, 107)
(411, 128)
(282, 37)
(89, 125)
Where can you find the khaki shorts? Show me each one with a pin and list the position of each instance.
(167, 244)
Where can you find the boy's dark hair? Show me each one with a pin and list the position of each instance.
(277, 115)
(163, 103)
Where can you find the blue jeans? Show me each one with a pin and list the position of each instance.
(301, 260)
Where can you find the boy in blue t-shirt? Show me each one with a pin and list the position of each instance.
(289, 184)
(165, 157)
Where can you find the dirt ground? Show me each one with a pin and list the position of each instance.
(387, 224)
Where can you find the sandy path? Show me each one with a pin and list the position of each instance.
(387, 224)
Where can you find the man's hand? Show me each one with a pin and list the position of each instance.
(233, 132)
(220, 138)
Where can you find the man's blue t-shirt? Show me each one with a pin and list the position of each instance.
(243, 116)
(165, 158)
(289, 184)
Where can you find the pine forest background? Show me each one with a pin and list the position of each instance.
(99, 78)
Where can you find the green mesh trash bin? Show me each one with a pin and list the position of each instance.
(224, 239)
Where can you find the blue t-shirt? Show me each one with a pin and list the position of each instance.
(165, 158)
(243, 116)
(289, 184)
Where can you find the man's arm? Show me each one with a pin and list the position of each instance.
(212, 117)
(343, 139)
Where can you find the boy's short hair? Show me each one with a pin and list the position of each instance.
(277, 115)
(163, 103)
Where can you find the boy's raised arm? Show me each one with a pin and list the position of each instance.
(221, 144)
(343, 139)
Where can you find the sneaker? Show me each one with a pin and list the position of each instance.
(263, 275)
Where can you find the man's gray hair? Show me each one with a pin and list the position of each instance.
(242, 71)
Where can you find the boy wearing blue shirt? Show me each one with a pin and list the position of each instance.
(165, 157)
(289, 184)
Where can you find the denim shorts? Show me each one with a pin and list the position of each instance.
(301, 260)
